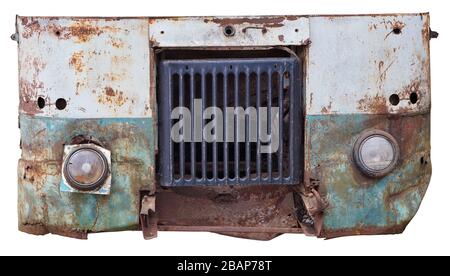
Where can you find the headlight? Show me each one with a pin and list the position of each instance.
(376, 153)
(86, 168)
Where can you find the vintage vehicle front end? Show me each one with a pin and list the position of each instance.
(246, 126)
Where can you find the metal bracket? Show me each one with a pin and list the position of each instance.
(148, 219)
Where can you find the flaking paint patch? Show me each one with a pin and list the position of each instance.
(43, 209)
(76, 61)
(112, 97)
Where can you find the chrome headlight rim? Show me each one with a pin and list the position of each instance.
(364, 137)
(82, 186)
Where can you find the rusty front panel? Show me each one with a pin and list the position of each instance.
(43, 206)
(101, 68)
(359, 204)
(354, 65)
(257, 207)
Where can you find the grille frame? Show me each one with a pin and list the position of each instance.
(247, 66)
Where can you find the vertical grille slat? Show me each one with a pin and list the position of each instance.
(269, 121)
(231, 86)
(181, 103)
(280, 123)
(225, 131)
(258, 140)
(203, 93)
(191, 104)
(247, 126)
(236, 125)
(214, 103)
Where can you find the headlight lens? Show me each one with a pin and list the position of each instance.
(376, 153)
(86, 168)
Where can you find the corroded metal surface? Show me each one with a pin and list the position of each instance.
(100, 66)
(359, 204)
(355, 63)
(256, 207)
(106, 70)
(248, 31)
(43, 208)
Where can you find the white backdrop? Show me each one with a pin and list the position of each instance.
(426, 234)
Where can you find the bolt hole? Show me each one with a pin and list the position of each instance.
(187, 67)
(162, 32)
(397, 31)
(413, 97)
(394, 99)
(229, 30)
(231, 67)
(423, 161)
(41, 102)
(61, 103)
(296, 30)
(57, 33)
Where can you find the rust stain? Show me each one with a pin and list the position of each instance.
(117, 42)
(268, 22)
(396, 27)
(111, 97)
(406, 91)
(30, 28)
(76, 61)
(376, 104)
(110, 92)
(28, 96)
(83, 31)
(426, 32)
(262, 206)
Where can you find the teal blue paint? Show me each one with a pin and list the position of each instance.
(131, 143)
(358, 202)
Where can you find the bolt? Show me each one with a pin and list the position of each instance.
(433, 34)
(15, 37)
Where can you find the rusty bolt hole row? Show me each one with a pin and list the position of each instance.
(394, 99)
(229, 30)
(60, 103)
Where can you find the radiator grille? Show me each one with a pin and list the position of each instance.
(237, 158)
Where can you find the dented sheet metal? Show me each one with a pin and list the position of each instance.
(99, 66)
(42, 207)
(358, 204)
(212, 31)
